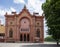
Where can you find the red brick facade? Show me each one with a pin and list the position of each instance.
(24, 27)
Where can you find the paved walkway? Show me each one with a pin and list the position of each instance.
(45, 44)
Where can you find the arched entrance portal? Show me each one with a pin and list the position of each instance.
(24, 29)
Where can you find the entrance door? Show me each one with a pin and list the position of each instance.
(28, 37)
(21, 37)
(24, 37)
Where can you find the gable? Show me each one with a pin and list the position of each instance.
(24, 12)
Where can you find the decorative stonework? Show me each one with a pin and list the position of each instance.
(24, 27)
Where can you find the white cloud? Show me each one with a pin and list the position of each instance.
(3, 11)
(8, 10)
(12, 9)
(19, 1)
(35, 6)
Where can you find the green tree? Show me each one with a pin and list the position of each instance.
(51, 10)
(49, 39)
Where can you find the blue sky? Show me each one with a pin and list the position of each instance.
(17, 5)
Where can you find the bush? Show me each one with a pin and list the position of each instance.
(49, 38)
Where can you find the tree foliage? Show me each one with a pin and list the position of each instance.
(51, 10)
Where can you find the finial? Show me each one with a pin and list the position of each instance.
(6, 13)
(24, 6)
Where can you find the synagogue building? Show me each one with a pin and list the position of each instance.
(24, 27)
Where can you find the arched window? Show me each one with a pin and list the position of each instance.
(25, 25)
(11, 33)
(38, 33)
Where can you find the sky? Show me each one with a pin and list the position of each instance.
(17, 5)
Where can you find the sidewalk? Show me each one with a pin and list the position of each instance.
(45, 44)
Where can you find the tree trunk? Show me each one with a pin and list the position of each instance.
(57, 42)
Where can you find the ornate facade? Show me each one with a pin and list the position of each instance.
(24, 27)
